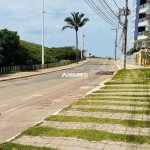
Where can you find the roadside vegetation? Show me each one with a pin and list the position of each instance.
(14, 51)
(135, 76)
(127, 123)
(86, 134)
(12, 146)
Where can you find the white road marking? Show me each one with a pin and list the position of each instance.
(37, 95)
(3, 105)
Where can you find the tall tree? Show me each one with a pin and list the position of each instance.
(75, 22)
(9, 41)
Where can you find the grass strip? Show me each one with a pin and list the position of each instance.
(114, 99)
(112, 82)
(12, 146)
(86, 134)
(144, 87)
(123, 91)
(135, 76)
(125, 95)
(109, 103)
(127, 123)
(146, 112)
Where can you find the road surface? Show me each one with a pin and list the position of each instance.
(26, 101)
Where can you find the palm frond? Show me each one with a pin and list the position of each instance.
(73, 15)
(76, 17)
(80, 17)
(83, 22)
(67, 27)
(70, 21)
(75, 21)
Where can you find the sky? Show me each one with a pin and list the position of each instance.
(25, 17)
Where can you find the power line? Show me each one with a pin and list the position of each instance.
(116, 4)
(110, 8)
(110, 15)
(112, 18)
(98, 9)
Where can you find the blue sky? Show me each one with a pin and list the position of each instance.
(25, 17)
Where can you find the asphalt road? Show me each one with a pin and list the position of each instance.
(26, 101)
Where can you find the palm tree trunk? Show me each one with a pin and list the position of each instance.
(76, 46)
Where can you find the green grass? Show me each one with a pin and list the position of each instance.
(12, 146)
(146, 112)
(108, 91)
(109, 103)
(144, 87)
(86, 134)
(127, 123)
(134, 76)
(114, 99)
(127, 95)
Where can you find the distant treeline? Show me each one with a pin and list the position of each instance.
(14, 51)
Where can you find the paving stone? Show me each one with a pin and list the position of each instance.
(63, 147)
(128, 148)
(78, 148)
(97, 145)
(112, 147)
(67, 143)
(111, 107)
(84, 144)
(57, 142)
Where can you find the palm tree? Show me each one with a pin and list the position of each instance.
(75, 22)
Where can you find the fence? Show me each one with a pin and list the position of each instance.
(12, 69)
(129, 60)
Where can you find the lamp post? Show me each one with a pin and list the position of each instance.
(83, 46)
(43, 35)
(68, 43)
(115, 43)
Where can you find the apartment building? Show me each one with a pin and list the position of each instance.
(140, 36)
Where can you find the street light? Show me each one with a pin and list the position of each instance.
(83, 46)
(43, 35)
(115, 42)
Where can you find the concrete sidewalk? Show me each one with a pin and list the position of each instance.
(128, 66)
(39, 72)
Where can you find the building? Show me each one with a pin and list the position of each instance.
(140, 36)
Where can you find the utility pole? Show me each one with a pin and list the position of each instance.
(126, 13)
(115, 51)
(43, 35)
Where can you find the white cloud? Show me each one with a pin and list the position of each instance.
(25, 16)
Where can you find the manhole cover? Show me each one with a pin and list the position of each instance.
(105, 73)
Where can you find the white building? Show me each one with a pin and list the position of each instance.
(140, 36)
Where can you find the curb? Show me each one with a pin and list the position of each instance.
(119, 68)
(31, 75)
(98, 87)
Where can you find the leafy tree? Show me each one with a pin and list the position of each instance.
(75, 22)
(132, 50)
(1, 56)
(9, 41)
